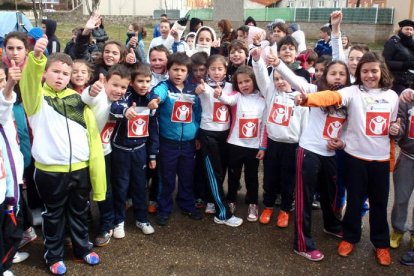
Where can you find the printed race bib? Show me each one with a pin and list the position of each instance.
(2, 167)
(376, 123)
(221, 113)
(107, 131)
(248, 128)
(377, 118)
(333, 127)
(182, 112)
(138, 127)
(280, 114)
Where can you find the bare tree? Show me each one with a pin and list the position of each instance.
(95, 6)
(37, 11)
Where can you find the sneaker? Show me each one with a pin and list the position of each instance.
(407, 258)
(266, 215)
(282, 219)
(119, 232)
(395, 239)
(313, 256)
(345, 248)
(145, 227)
(252, 213)
(383, 256)
(233, 221)
(58, 268)
(210, 208)
(28, 236)
(199, 203)
(20, 257)
(232, 206)
(8, 273)
(104, 238)
(92, 259)
(335, 234)
(162, 220)
(195, 215)
(152, 207)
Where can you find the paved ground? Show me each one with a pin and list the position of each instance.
(187, 247)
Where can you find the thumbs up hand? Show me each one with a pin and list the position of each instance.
(218, 91)
(272, 58)
(301, 98)
(130, 58)
(395, 127)
(40, 47)
(97, 87)
(256, 53)
(131, 112)
(201, 88)
(14, 73)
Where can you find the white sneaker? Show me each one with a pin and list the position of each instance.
(119, 232)
(210, 208)
(28, 236)
(233, 221)
(20, 257)
(145, 227)
(252, 213)
(8, 273)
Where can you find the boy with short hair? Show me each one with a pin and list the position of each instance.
(67, 151)
(324, 46)
(135, 141)
(99, 97)
(165, 39)
(179, 115)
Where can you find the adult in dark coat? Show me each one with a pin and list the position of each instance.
(399, 56)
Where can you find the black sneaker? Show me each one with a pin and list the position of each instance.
(162, 220)
(407, 258)
(103, 239)
(195, 215)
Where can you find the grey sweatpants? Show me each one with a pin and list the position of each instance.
(403, 188)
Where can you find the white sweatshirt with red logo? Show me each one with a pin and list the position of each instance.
(100, 106)
(285, 122)
(247, 127)
(215, 115)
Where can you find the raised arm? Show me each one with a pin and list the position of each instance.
(31, 81)
(336, 40)
(260, 71)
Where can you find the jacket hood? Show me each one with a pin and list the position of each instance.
(206, 28)
(50, 27)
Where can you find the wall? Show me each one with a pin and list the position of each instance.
(362, 33)
(403, 9)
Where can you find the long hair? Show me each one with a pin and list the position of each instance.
(386, 78)
(244, 69)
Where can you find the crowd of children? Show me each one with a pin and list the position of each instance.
(126, 126)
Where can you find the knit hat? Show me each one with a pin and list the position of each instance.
(36, 33)
(295, 27)
(405, 23)
(250, 20)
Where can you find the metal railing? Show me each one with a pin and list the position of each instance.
(351, 15)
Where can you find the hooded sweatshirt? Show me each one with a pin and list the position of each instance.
(54, 45)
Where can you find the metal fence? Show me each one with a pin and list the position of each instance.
(351, 15)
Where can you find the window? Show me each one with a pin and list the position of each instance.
(336, 4)
(303, 4)
(291, 4)
(321, 4)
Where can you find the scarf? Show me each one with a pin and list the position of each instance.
(406, 40)
(294, 66)
(214, 84)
